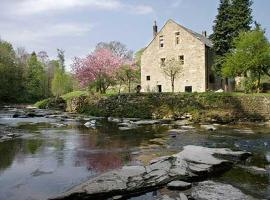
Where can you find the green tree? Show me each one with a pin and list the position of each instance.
(241, 16)
(250, 58)
(10, 74)
(61, 58)
(234, 16)
(62, 82)
(138, 56)
(222, 34)
(35, 79)
(127, 74)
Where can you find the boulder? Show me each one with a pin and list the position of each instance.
(187, 127)
(210, 190)
(115, 120)
(193, 161)
(208, 127)
(147, 122)
(183, 196)
(177, 131)
(91, 124)
(178, 185)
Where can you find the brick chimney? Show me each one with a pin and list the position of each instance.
(155, 29)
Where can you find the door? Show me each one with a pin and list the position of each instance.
(159, 88)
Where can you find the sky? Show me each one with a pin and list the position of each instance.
(76, 26)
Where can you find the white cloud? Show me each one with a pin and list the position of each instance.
(30, 7)
(142, 9)
(44, 32)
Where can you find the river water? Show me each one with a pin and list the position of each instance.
(57, 152)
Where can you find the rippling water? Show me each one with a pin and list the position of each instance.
(56, 154)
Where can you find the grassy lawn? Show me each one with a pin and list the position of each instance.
(74, 94)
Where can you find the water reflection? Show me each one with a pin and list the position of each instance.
(56, 158)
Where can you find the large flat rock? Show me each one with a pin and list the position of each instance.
(209, 190)
(192, 162)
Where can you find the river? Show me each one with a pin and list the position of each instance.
(56, 151)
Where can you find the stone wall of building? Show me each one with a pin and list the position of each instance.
(194, 72)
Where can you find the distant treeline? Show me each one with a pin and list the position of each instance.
(28, 77)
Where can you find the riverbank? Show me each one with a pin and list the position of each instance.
(198, 107)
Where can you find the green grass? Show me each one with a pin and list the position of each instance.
(42, 104)
(252, 94)
(70, 95)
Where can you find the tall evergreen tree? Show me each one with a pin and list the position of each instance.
(241, 16)
(222, 33)
(35, 79)
(234, 16)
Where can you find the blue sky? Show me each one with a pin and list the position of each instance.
(77, 25)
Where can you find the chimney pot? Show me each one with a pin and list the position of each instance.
(155, 29)
(204, 33)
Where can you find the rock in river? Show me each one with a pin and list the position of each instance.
(210, 190)
(179, 185)
(192, 162)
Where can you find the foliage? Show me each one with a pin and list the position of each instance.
(98, 67)
(204, 107)
(10, 74)
(42, 104)
(25, 77)
(61, 83)
(117, 48)
(173, 69)
(234, 16)
(249, 84)
(73, 94)
(250, 58)
(138, 56)
(127, 74)
(61, 58)
(35, 79)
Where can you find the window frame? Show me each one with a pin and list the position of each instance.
(161, 41)
(177, 38)
(181, 59)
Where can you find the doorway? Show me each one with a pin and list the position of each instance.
(159, 88)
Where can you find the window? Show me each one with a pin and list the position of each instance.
(159, 87)
(177, 38)
(162, 61)
(182, 59)
(148, 78)
(161, 41)
(188, 88)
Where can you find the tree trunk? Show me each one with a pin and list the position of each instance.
(128, 86)
(226, 85)
(259, 83)
(172, 82)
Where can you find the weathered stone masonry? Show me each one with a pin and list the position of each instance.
(195, 48)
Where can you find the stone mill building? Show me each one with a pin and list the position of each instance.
(190, 48)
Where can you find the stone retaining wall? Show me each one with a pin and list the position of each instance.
(202, 106)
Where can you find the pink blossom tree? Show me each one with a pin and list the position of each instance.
(98, 68)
